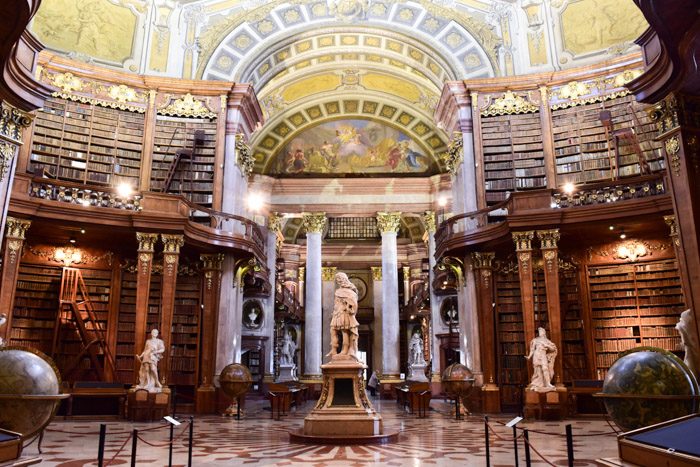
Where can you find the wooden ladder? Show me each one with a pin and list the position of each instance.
(181, 155)
(75, 305)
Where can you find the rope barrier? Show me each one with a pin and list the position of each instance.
(184, 429)
(564, 435)
(537, 452)
(118, 451)
(511, 439)
(68, 432)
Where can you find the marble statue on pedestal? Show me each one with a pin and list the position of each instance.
(287, 367)
(689, 338)
(416, 360)
(543, 352)
(344, 321)
(149, 358)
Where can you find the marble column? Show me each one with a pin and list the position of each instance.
(377, 349)
(470, 351)
(388, 224)
(268, 325)
(313, 331)
(327, 303)
(171, 256)
(15, 234)
(435, 321)
(144, 262)
(230, 322)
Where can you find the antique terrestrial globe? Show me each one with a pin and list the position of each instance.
(29, 390)
(457, 380)
(648, 385)
(235, 380)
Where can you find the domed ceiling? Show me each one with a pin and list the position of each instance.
(336, 77)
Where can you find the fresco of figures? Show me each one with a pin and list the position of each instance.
(352, 146)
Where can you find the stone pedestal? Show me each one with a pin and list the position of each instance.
(144, 406)
(549, 405)
(287, 373)
(343, 408)
(416, 372)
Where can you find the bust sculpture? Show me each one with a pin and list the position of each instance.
(289, 348)
(543, 352)
(689, 339)
(415, 349)
(344, 321)
(149, 358)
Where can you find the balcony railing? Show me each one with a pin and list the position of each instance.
(611, 192)
(472, 220)
(73, 193)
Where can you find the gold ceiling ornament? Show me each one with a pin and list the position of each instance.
(172, 243)
(67, 82)
(244, 155)
(313, 222)
(122, 93)
(388, 222)
(455, 153)
(509, 104)
(147, 241)
(328, 273)
(187, 106)
(429, 221)
(523, 240)
(376, 273)
(16, 228)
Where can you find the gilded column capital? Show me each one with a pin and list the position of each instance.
(376, 273)
(388, 222)
(673, 227)
(406, 272)
(328, 273)
(548, 238)
(172, 243)
(12, 122)
(523, 240)
(429, 221)
(17, 228)
(274, 222)
(302, 273)
(313, 222)
(483, 260)
(212, 261)
(7, 152)
(147, 241)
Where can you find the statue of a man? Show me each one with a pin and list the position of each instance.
(542, 352)
(289, 348)
(689, 340)
(415, 349)
(149, 358)
(343, 320)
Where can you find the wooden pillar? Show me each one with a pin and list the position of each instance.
(550, 257)
(144, 263)
(15, 232)
(478, 153)
(219, 154)
(523, 248)
(171, 257)
(483, 267)
(550, 162)
(205, 401)
(149, 134)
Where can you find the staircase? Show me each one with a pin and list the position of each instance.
(75, 307)
(182, 155)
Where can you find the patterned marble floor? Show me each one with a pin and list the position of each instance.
(438, 440)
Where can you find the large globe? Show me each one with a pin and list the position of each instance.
(457, 380)
(648, 385)
(235, 379)
(29, 390)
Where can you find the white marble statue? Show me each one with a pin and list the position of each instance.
(415, 350)
(689, 338)
(149, 358)
(543, 352)
(289, 348)
(344, 319)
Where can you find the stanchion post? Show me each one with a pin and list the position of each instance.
(170, 448)
(526, 437)
(238, 408)
(570, 445)
(486, 435)
(189, 449)
(134, 440)
(101, 446)
(515, 445)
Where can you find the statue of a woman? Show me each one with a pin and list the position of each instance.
(343, 320)
(542, 352)
(149, 358)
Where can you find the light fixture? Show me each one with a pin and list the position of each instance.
(68, 255)
(72, 240)
(612, 227)
(82, 231)
(124, 190)
(442, 201)
(623, 235)
(255, 201)
(569, 188)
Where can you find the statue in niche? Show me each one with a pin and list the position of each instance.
(543, 352)
(289, 348)
(415, 350)
(149, 358)
(344, 321)
(687, 329)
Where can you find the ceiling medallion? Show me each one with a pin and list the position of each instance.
(349, 10)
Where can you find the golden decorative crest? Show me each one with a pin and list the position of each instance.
(429, 221)
(574, 90)
(376, 273)
(523, 240)
(172, 243)
(455, 154)
(625, 77)
(509, 104)
(245, 157)
(122, 93)
(16, 228)
(67, 82)
(7, 152)
(672, 148)
(187, 106)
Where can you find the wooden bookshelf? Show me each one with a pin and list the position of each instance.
(193, 179)
(634, 305)
(184, 348)
(582, 150)
(573, 338)
(125, 354)
(540, 297)
(86, 143)
(513, 154)
(510, 339)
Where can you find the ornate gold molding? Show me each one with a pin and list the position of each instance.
(116, 96)
(523, 240)
(509, 104)
(429, 221)
(214, 261)
(376, 273)
(483, 260)
(406, 273)
(313, 222)
(673, 227)
(7, 153)
(548, 238)
(455, 153)
(388, 222)
(187, 106)
(665, 115)
(328, 273)
(16, 228)
(302, 273)
(274, 222)
(577, 93)
(147, 241)
(673, 147)
(244, 158)
(172, 243)
(12, 122)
